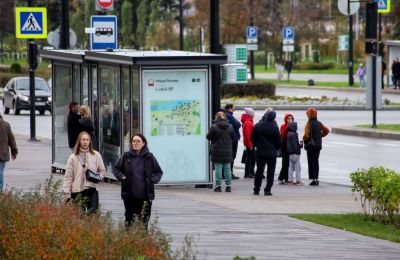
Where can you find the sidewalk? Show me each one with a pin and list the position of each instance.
(225, 225)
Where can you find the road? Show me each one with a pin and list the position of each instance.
(340, 156)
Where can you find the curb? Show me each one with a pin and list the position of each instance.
(367, 132)
(318, 107)
(343, 89)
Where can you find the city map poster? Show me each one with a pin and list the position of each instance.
(175, 122)
(175, 117)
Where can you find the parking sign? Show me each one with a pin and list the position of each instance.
(288, 35)
(251, 34)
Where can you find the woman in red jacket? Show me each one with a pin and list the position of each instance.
(247, 127)
(283, 175)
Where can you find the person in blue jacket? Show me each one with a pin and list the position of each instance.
(229, 109)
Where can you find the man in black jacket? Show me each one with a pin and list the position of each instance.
(73, 125)
(229, 109)
(267, 140)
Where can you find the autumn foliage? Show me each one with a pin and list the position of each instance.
(39, 225)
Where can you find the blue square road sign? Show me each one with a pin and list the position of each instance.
(288, 33)
(105, 34)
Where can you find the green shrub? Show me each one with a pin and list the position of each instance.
(379, 191)
(4, 78)
(15, 68)
(252, 88)
(314, 66)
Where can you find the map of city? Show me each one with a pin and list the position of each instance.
(175, 117)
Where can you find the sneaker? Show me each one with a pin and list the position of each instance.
(251, 176)
(313, 183)
(228, 189)
(263, 176)
(267, 193)
(234, 177)
(281, 182)
(217, 189)
(316, 182)
(299, 183)
(291, 183)
(256, 193)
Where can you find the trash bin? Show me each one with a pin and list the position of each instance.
(310, 82)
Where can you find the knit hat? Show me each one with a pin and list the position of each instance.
(249, 111)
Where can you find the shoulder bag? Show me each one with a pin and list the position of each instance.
(89, 174)
(311, 143)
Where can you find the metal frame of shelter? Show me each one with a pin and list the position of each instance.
(112, 81)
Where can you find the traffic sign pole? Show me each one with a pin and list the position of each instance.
(251, 52)
(32, 116)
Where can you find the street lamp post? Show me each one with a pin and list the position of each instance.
(215, 48)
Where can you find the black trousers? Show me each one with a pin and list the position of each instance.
(271, 164)
(313, 163)
(137, 209)
(88, 199)
(234, 151)
(250, 162)
(283, 175)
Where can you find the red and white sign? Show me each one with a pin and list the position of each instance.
(150, 83)
(105, 4)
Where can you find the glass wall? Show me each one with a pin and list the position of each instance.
(135, 99)
(126, 108)
(110, 123)
(62, 97)
(76, 91)
(85, 85)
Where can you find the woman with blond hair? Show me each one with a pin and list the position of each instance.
(76, 186)
(222, 136)
(86, 123)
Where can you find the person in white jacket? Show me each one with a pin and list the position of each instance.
(76, 186)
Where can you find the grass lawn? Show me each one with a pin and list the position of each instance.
(354, 222)
(304, 83)
(340, 70)
(394, 127)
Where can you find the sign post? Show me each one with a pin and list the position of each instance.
(252, 39)
(288, 40)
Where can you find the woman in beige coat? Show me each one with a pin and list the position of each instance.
(76, 186)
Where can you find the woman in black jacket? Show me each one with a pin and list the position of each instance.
(86, 123)
(222, 135)
(138, 171)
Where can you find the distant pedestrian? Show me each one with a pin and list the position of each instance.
(138, 171)
(86, 123)
(279, 70)
(313, 133)
(7, 143)
(361, 72)
(294, 150)
(289, 67)
(229, 109)
(73, 125)
(283, 175)
(397, 72)
(394, 70)
(76, 186)
(383, 73)
(247, 128)
(267, 140)
(222, 137)
(266, 111)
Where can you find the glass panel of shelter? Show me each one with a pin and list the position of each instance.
(110, 125)
(126, 109)
(62, 98)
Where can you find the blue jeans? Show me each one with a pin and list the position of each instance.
(2, 164)
(226, 168)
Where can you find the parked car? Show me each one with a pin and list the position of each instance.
(16, 95)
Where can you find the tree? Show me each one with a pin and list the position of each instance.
(153, 23)
(126, 27)
(143, 22)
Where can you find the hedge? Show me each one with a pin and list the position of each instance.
(314, 66)
(379, 191)
(252, 88)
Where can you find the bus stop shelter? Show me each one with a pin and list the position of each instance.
(166, 95)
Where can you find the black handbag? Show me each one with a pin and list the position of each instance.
(92, 176)
(311, 143)
(89, 174)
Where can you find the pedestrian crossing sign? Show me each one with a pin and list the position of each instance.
(383, 6)
(31, 22)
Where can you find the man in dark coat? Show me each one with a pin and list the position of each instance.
(73, 125)
(221, 135)
(288, 67)
(229, 109)
(267, 140)
(7, 143)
